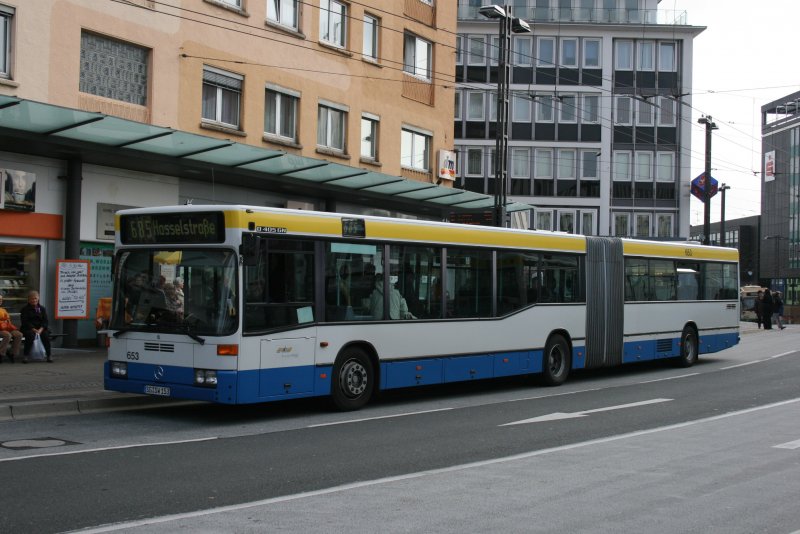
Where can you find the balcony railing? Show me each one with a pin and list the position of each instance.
(578, 14)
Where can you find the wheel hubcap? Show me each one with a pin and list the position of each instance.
(556, 360)
(353, 378)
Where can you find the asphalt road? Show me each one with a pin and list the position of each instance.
(651, 448)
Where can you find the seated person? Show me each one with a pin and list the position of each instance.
(8, 334)
(398, 308)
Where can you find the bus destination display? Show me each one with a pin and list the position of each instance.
(161, 228)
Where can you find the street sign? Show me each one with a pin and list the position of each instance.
(699, 186)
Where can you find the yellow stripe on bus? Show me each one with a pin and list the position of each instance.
(316, 225)
(679, 251)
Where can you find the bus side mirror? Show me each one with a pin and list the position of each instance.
(250, 249)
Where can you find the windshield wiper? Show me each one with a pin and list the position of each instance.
(120, 332)
(196, 338)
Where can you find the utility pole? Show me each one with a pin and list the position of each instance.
(709, 124)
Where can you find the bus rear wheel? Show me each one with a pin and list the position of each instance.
(354, 380)
(556, 362)
(689, 348)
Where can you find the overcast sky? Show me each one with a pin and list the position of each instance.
(743, 60)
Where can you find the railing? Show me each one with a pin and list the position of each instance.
(579, 14)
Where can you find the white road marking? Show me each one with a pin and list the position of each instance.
(745, 364)
(558, 415)
(432, 472)
(668, 378)
(101, 449)
(377, 417)
(790, 445)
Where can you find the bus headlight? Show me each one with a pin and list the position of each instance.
(205, 377)
(119, 369)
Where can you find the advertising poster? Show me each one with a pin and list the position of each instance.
(72, 289)
(19, 190)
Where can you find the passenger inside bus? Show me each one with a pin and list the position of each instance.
(398, 308)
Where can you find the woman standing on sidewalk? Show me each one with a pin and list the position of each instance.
(34, 322)
(777, 307)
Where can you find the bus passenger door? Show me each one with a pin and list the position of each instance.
(287, 366)
(604, 302)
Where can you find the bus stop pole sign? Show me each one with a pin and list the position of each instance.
(699, 187)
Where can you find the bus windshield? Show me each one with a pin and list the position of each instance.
(190, 291)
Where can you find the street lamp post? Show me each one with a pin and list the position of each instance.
(508, 25)
(709, 124)
(722, 189)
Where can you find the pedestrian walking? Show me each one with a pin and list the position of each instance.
(777, 306)
(767, 309)
(758, 308)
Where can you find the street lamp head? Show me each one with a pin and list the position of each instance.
(708, 122)
(493, 12)
(520, 26)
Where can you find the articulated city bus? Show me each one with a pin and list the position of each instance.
(237, 304)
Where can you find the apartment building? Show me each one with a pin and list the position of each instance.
(326, 104)
(599, 113)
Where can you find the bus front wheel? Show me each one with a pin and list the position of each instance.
(354, 380)
(689, 348)
(556, 362)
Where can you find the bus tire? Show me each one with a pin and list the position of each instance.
(556, 361)
(689, 348)
(353, 380)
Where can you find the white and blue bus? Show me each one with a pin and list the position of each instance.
(237, 304)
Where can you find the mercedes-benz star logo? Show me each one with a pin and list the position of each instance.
(159, 373)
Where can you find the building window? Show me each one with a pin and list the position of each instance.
(566, 164)
(6, 18)
(546, 56)
(280, 114)
(664, 225)
(331, 122)
(475, 105)
(591, 53)
(521, 109)
(544, 108)
(622, 113)
(665, 167)
(333, 22)
(591, 109)
(621, 224)
(646, 55)
(234, 3)
(644, 167)
(543, 160)
(567, 109)
(415, 149)
(544, 220)
(622, 166)
(642, 225)
(666, 111)
(566, 221)
(587, 223)
(283, 12)
(477, 51)
(645, 112)
(369, 136)
(623, 55)
(494, 50)
(222, 93)
(417, 56)
(522, 51)
(666, 57)
(459, 49)
(112, 69)
(589, 164)
(569, 53)
(474, 161)
(371, 26)
(457, 102)
(520, 163)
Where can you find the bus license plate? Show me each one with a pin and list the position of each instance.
(157, 390)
